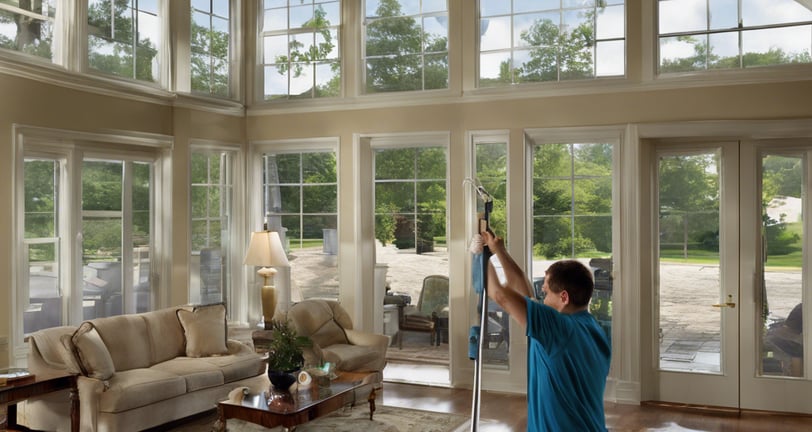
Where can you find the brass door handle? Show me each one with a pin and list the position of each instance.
(730, 303)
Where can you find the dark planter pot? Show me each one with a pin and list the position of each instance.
(282, 380)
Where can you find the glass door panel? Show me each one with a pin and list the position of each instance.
(689, 330)
(775, 375)
(697, 280)
(782, 186)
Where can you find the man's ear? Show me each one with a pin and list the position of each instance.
(565, 297)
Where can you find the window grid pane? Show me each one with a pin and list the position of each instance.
(300, 200)
(405, 46)
(124, 41)
(33, 32)
(301, 58)
(550, 41)
(211, 57)
(572, 215)
(698, 35)
(212, 208)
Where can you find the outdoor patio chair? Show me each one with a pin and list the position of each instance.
(432, 308)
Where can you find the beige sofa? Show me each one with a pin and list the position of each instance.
(142, 370)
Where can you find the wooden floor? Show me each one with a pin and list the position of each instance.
(508, 412)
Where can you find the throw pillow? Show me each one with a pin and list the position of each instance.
(205, 330)
(94, 358)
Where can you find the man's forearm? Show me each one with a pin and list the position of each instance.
(508, 298)
(516, 279)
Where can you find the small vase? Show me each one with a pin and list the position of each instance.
(282, 380)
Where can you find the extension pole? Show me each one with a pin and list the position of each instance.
(483, 322)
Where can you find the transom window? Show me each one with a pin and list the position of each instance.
(300, 49)
(211, 42)
(524, 41)
(405, 45)
(699, 35)
(124, 38)
(28, 27)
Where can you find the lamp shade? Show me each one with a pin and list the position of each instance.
(265, 250)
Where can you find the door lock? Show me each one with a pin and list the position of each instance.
(730, 303)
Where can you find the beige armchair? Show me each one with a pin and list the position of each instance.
(329, 326)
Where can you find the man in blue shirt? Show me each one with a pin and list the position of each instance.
(568, 354)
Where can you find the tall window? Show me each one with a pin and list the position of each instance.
(699, 35)
(124, 37)
(410, 221)
(300, 199)
(114, 234)
(524, 41)
(405, 45)
(212, 227)
(491, 170)
(572, 214)
(42, 243)
(211, 47)
(28, 26)
(300, 49)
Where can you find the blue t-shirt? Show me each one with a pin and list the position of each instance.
(568, 360)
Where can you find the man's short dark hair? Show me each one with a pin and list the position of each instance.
(574, 278)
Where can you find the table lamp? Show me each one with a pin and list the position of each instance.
(265, 250)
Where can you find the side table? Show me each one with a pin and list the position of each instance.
(20, 390)
(262, 340)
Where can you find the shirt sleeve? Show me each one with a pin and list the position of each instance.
(546, 325)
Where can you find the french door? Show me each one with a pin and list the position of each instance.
(731, 274)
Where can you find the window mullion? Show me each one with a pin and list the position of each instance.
(127, 239)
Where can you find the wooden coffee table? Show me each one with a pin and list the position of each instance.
(38, 385)
(273, 408)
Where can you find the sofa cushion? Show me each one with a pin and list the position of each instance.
(165, 334)
(139, 387)
(94, 358)
(127, 339)
(351, 357)
(205, 330)
(198, 373)
(237, 367)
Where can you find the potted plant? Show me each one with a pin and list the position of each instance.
(285, 354)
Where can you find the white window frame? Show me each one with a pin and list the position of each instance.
(256, 214)
(69, 147)
(418, 16)
(233, 295)
(259, 64)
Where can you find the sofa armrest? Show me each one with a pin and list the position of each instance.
(377, 341)
(90, 390)
(236, 347)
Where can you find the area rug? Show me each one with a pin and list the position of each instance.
(356, 419)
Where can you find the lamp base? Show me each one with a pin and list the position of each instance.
(268, 305)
